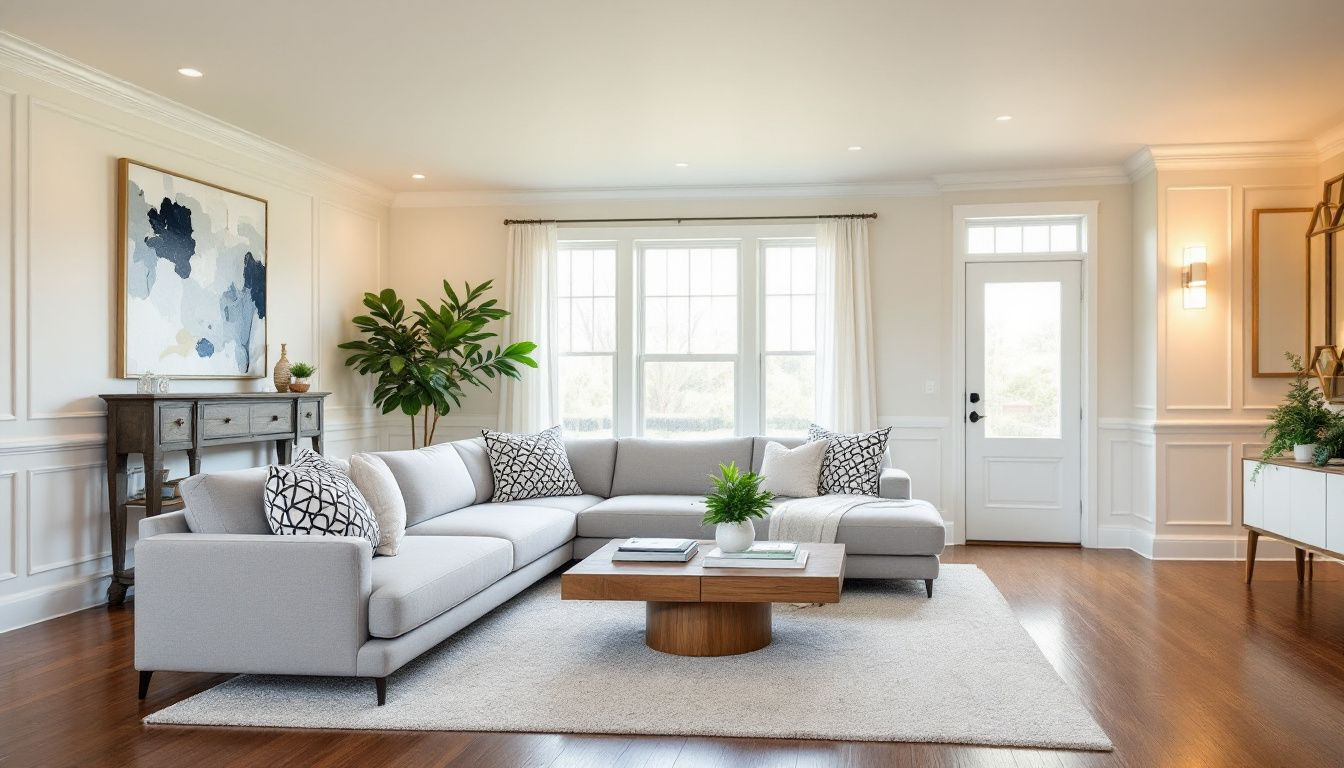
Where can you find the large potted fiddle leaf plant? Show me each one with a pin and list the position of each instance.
(424, 360)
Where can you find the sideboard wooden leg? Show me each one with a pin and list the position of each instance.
(1252, 538)
(1300, 556)
(1311, 565)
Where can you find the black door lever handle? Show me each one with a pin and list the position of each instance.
(974, 417)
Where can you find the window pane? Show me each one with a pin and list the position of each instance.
(1064, 238)
(685, 399)
(725, 272)
(655, 325)
(980, 239)
(1008, 239)
(805, 270)
(777, 323)
(678, 272)
(562, 273)
(586, 396)
(581, 276)
(562, 324)
(723, 317)
(790, 382)
(581, 333)
(604, 272)
(1022, 360)
(702, 276)
(604, 325)
(804, 323)
(1036, 238)
(702, 331)
(678, 325)
(655, 272)
(777, 269)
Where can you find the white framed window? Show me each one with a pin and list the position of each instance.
(789, 330)
(585, 334)
(1033, 235)
(671, 331)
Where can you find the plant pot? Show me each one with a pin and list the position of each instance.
(735, 537)
(1303, 453)
(298, 385)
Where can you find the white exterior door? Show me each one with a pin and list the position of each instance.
(1023, 401)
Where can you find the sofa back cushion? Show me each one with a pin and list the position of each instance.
(433, 480)
(477, 461)
(226, 502)
(650, 466)
(594, 462)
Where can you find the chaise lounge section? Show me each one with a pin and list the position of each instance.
(217, 592)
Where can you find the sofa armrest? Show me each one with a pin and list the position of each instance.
(168, 522)
(894, 484)
(251, 603)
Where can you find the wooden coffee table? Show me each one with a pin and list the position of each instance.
(698, 611)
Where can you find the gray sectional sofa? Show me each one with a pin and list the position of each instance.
(217, 592)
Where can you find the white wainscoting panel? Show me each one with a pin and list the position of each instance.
(67, 516)
(1196, 349)
(9, 527)
(9, 365)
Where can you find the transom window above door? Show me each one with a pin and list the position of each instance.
(668, 336)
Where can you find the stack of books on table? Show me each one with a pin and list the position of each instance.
(762, 554)
(655, 550)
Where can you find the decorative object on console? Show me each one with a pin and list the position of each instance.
(424, 361)
(282, 374)
(529, 466)
(1297, 422)
(192, 260)
(853, 463)
(376, 482)
(300, 373)
(313, 497)
(1325, 363)
(792, 471)
(737, 498)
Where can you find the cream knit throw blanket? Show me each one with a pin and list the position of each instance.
(817, 519)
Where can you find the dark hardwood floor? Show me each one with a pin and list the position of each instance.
(1180, 662)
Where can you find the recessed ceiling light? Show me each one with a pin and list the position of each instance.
(418, 176)
(855, 148)
(1004, 118)
(190, 72)
(682, 165)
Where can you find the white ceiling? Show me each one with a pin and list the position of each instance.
(510, 95)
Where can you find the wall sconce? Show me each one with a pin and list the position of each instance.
(1195, 277)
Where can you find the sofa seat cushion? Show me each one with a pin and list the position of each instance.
(531, 530)
(913, 529)
(430, 575)
(655, 516)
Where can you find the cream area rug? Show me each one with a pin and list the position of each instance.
(884, 664)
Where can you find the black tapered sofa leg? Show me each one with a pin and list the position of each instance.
(928, 586)
(380, 683)
(144, 684)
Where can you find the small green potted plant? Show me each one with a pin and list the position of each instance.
(301, 372)
(737, 498)
(1299, 421)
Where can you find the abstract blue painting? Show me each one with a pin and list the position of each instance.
(193, 277)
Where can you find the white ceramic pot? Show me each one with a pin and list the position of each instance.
(735, 537)
(1303, 453)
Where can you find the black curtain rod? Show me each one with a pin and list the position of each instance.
(680, 219)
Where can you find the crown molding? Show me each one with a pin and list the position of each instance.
(468, 198)
(1029, 179)
(1260, 154)
(1140, 164)
(45, 65)
(1330, 143)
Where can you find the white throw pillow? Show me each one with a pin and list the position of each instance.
(853, 463)
(792, 471)
(312, 497)
(379, 486)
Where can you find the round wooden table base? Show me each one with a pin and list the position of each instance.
(707, 629)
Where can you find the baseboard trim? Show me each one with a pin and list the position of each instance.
(38, 605)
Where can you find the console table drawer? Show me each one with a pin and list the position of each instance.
(225, 420)
(268, 418)
(308, 416)
(175, 425)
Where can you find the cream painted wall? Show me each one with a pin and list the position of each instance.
(1210, 410)
(910, 251)
(61, 134)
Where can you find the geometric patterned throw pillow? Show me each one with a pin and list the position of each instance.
(312, 496)
(529, 466)
(853, 463)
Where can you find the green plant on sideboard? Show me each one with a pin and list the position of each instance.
(302, 370)
(424, 359)
(1301, 419)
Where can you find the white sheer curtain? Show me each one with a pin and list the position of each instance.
(532, 403)
(846, 388)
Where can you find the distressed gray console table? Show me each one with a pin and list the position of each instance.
(152, 425)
